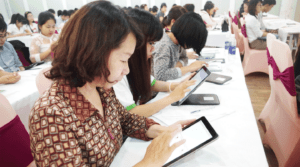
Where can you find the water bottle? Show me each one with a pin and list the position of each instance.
(232, 47)
(227, 41)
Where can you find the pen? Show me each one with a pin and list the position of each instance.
(195, 111)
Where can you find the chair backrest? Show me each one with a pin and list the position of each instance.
(281, 53)
(236, 32)
(7, 113)
(270, 39)
(42, 82)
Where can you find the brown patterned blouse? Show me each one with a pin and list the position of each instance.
(60, 136)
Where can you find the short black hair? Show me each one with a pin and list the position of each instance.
(189, 7)
(44, 17)
(154, 9)
(162, 5)
(75, 9)
(18, 17)
(65, 13)
(71, 12)
(136, 6)
(1, 16)
(209, 5)
(59, 12)
(252, 6)
(190, 31)
(174, 4)
(3, 26)
(51, 11)
(269, 2)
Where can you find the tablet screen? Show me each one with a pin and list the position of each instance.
(194, 135)
(199, 77)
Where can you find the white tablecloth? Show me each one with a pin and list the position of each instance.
(216, 38)
(239, 143)
(283, 28)
(25, 39)
(24, 93)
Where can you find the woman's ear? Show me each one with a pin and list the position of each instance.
(173, 21)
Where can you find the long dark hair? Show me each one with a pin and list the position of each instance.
(85, 43)
(139, 64)
(25, 15)
(208, 6)
(252, 7)
(19, 18)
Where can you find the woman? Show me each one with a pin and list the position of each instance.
(253, 26)
(40, 48)
(79, 121)
(137, 86)
(207, 13)
(168, 62)
(242, 8)
(16, 28)
(170, 19)
(30, 25)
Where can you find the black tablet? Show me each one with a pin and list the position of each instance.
(197, 134)
(200, 76)
(218, 79)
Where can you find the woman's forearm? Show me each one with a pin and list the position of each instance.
(43, 56)
(147, 110)
(161, 86)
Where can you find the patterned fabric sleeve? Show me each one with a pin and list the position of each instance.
(134, 125)
(35, 49)
(161, 62)
(52, 142)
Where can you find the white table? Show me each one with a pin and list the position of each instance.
(217, 38)
(25, 39)
(23, 94)
(239, 143)
(284, 30)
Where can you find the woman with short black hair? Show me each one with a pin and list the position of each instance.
(168, 63)
(253, 26)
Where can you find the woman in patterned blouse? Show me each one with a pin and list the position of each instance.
(79, 121)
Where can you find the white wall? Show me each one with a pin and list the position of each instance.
(276, 9)
(17, 6)
(72, 4)
(55, 4)
(4, 10)
(36, 7)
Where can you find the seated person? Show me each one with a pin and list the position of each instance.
(267, 5)
(168, 21)
(154, 10)
(242, 8)
(135, 89)
(207, 13)
(9, 59)
(16, 27)
(40, 48)
(161, 14)
(169, 58)
(81, 105)
(253, 26)
(246, 11)
(8, 78)
(63, 18)
(189, 7)
(30, 25)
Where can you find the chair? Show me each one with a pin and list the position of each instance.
(238, 38)
(43, 83)
(280, 113)
(15, 143)
(22, 58)
(254, 60)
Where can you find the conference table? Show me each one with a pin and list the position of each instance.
(217, 38)
(23, 94)
(239, 143)
(286, 28)
(25, 39)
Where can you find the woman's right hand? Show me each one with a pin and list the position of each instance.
(159, 151)
(179, 92)
(197, 65)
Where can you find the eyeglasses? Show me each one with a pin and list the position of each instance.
(4, 36)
